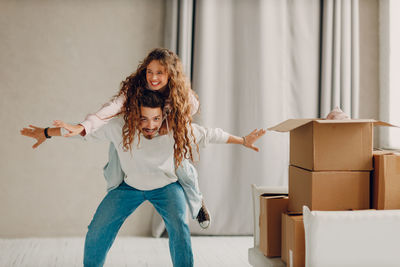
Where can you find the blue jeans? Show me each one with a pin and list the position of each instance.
(186, 173)
(119, 203)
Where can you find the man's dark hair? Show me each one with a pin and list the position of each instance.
(151, 99)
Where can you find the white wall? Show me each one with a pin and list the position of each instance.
(61, 60)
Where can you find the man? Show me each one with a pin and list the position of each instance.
(149, 175)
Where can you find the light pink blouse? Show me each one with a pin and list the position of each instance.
(95, 121)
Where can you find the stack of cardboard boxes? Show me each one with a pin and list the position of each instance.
(330, 169)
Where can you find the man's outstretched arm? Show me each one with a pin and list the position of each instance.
(248, 140)
(61, 130)
(38, 134)
(205, 136)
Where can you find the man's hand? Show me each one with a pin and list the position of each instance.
(36, 133)
(252, 137)
(73, 129)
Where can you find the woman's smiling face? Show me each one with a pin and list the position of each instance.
(156, 75)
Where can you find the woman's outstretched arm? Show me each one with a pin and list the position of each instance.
(95, 121)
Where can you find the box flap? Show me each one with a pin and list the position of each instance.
(375, 122)
(292, 124)
(289, 125)
(345, 121)
(382, 123)
(378, 152)
(269, 195)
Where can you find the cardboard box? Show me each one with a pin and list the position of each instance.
(271, 209)
(283, 239)
(331, 190)
(330, 145)
(386, 181)
(293, 240)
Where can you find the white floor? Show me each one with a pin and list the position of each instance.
(126, 251)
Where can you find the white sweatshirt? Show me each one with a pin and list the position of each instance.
(150, 165)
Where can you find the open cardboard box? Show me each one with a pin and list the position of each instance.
(293, 239)
(271, 208)
(330, 145)
(386, 180)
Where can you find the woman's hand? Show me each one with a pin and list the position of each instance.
(252, 137)
(36, 133)
(163, 129)
(73, 129)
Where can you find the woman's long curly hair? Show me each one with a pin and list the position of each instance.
(177, 94)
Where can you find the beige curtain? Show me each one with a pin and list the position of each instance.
(340, 57)
(256, 63)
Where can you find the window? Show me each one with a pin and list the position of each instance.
(389, 66)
